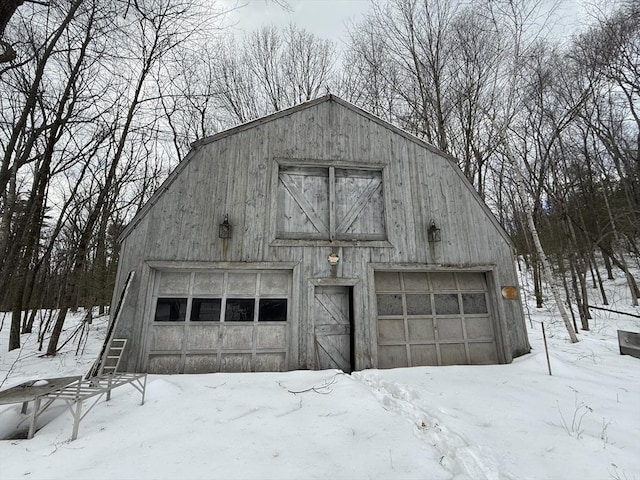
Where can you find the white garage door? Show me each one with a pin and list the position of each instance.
(219, 321)
(436, 318)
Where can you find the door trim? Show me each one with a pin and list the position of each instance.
(358, 342)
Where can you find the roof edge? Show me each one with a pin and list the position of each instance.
(195, 146)
(432, 148)
(261, 120)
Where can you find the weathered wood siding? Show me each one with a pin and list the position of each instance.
(237, 174)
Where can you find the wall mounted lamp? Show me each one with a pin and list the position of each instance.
(224, 230)
(433, 233)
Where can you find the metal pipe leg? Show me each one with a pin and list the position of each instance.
(144, 389)
(77, 415)
(34, 418)
(109, 388)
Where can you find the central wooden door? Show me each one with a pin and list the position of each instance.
(332, 327)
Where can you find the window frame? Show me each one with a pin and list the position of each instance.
(331, 237)
(223, 309)
(182, 316)
(202, 299)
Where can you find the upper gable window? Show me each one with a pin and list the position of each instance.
(329, 203)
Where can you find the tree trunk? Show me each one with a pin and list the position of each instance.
(600, 285)
(607, 264)
(537, 282)
(576, 290)
(633, 287)
(542, 256)
(52, 347)
(567, 292)
(14, 333)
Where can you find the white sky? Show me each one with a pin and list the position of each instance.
(329, 18)
(325, 18)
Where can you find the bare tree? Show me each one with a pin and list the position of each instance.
(154, 28)
(369, 75)
(273, 69)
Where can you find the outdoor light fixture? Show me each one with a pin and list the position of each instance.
(225, 228)
(433, 233)
(333, 259)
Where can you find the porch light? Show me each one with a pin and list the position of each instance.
(433, 233)
(225, 228)
(333, 259)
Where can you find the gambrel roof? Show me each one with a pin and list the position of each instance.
(199, 144)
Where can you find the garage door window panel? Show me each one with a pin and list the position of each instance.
(272, 310)
(446, 304)
(171, 310)
(390, 304)
(205, 309)
(239, 310)
(474, 303)
(418, 304)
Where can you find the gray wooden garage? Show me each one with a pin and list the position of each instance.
(318, 237)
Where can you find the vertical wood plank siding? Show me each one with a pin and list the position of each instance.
(234, 174)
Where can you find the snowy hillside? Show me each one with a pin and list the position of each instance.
(479, 422)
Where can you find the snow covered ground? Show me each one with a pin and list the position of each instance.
(478, 422)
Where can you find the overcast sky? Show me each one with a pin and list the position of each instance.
(325, 18)
(329, 18)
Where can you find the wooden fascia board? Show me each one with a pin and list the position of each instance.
(261, 121)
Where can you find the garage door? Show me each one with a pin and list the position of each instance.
(220, 321)
(436, 318)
